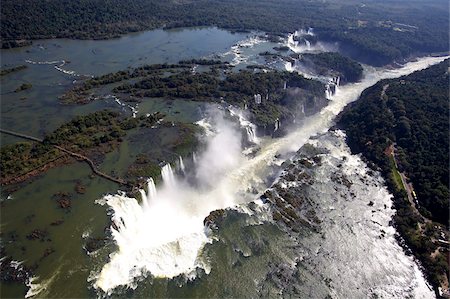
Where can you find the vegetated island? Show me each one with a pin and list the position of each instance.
(333, 64)
(401, 127)
(269, 96)
(373, 33)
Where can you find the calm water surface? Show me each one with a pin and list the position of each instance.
(37, 110)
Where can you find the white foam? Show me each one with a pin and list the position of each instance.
(165, 236)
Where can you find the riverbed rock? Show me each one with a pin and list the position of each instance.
(80, 188)
(214, 218)
(38, 234)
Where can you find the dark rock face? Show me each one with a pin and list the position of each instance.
(63, 199)
(94, 244)
(13, 271)
(298, 103)
(290, 205)
(57, 222)
(214, 218)
(38, 234)
(80, 188)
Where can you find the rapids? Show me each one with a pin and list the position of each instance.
(164, 235)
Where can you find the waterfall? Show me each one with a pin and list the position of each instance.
(151, 189)
(285, 85)
(332, 87)
(308, 44)
(251, 133)
(181, 164)
(150, 195)
(167, 239)
(249, 127)
(298, 41)
(277, 124)
(168, 175)
(194, 158)
(328, 93)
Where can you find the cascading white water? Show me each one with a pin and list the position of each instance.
(164, 234)
(305, 45)
(331, 87)
(251, 135)
(166, 237)
(277, 125)
(237, 50)
(249, 127)
(295, 45)
(181, 164)
(167, 175)
(308, 44)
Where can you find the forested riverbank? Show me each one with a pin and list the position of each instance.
(374, 33)
(412, 113)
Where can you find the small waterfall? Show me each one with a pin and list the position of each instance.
(308, 44)
(168, 175)
(251, 133)
(258, 98)
(328, 93)
(151, 189)
(144, 198)
(332, 87)
(249, 127)
(277, 124)
(181, 164)
(150, 195)
(194, 158)
(285, 85)
(298, 41)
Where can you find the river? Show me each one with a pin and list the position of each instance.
(161, 248)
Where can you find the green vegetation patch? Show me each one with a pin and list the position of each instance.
(92, 135)
(23, 157)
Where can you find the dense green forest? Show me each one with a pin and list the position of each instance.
(372, 32)
(411, 113)
(326, 62)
